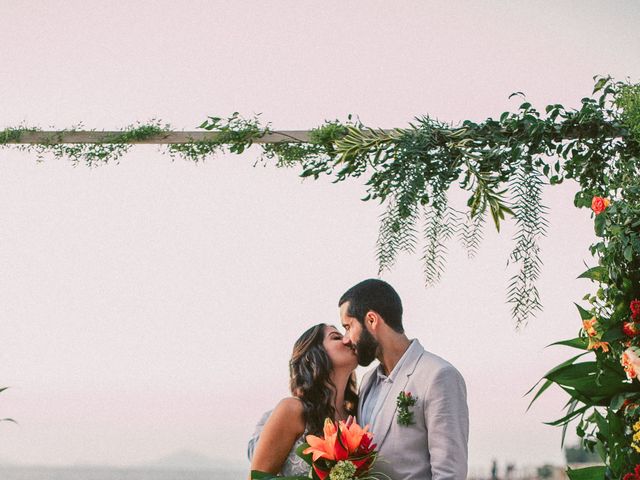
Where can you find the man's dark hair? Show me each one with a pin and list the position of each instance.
(376, 295)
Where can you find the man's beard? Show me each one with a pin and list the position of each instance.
(366, 348)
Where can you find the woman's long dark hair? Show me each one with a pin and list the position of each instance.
(310, 381)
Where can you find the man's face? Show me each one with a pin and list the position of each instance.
(358, 337)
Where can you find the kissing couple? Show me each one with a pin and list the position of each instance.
(424, 438)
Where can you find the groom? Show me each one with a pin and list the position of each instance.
(415, 402)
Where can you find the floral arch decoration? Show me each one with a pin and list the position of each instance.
(503, 163)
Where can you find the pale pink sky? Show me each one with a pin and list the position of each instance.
(151, 306)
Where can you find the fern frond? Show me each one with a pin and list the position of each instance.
(397, 233)
(441, 223)
(472, 233)
(531, 222)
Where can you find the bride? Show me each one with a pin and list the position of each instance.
(323, 385)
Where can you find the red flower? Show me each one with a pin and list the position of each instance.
(599, 204)
(630, 329)
(633, 476)
(635, 308)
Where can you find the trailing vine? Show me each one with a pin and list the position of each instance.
(235, 135)
(320, 146)
(90, 154)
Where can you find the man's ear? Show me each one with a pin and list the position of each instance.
(372, 321)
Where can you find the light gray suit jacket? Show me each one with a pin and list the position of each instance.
(434, 447)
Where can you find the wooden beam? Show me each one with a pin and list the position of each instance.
(61, 137)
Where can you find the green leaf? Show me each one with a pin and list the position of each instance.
(582, 381)
(628, 253)
(599, 224)
(546, 385)
(603, 426)
(613, 334)
(599, 274)
(578, 342)
(258, 475)
(570, 416)
(600, 84)
(618, 400)
(584, 314)
(588, 473)
(307, 457)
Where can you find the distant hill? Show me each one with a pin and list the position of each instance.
(5, 462)
(190, 460)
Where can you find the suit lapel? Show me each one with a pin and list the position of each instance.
(387, 412)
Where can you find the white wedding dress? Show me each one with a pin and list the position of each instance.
(293, 465)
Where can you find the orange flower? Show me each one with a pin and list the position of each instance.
(352, 434)
(589, 326)
(599, 204)
(631, 362)
(596, 345)
(323, 447)
(342, 441)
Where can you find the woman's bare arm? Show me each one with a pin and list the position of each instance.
(284, 427)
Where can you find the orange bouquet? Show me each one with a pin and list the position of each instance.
(345, 452)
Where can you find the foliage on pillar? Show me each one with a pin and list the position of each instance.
(602, 380)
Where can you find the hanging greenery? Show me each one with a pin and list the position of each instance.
(503, 163)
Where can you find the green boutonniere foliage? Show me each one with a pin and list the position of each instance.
(404, 401)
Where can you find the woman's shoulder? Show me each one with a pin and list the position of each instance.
(290, 411)
(291, 406)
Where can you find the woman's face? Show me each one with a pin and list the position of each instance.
(341, 355)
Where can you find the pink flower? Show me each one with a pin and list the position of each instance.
(631, 362)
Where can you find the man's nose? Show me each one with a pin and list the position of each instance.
(346, 340)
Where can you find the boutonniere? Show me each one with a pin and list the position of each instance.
(404, 401)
